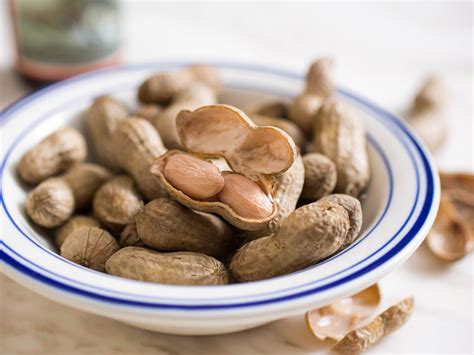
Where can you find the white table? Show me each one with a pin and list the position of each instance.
(383, 51)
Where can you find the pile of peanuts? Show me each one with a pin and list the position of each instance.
(189, 191)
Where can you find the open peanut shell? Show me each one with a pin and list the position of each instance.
(334, 321)
(221, 132)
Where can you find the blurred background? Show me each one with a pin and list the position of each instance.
(383, 51)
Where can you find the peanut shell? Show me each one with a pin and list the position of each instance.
(179, 268)
(76, 222)
(319, 176)
(164, 224)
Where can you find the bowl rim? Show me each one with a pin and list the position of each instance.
(394, 254)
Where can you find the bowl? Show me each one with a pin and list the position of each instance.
(399, 208)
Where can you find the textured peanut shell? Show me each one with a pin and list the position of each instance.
(163, 87)
(274, 109)
(84, 180)
(76, 222)
(137, 145)
(286, 192)
(319, 87)
(117, 202)
(311, 233)
(53, 155)
(354, 210)
(51, 203)
(129, 236)
(340, 135)
(89, 247)
(179, 268)
(149, 112)
(319, 176)
(164, 224)
(285, 125)
(102, 119)
(196, 95)
(388, 321)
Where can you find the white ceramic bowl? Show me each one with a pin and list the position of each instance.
(399, 209)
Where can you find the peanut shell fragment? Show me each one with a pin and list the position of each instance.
(166, 225)
(450, 237)
(308, 235)
(334, 321)
(385, 323)
(89, 247)
(179, 268)
(53, 155)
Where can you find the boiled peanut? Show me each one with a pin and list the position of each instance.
(89, 247)
(76, 222)
(51, 203)
(245, 197)
(53, 155)
(129, 236)
(274, 109)
(340, 135)
(319, 86)
(137, 145)
(195, 177)
(149, 112)
(117, 202)
(311, 233)
(319, 176)
(164, 224)
(103, 118)
(354, 211)
(179, 268)
(163, 87)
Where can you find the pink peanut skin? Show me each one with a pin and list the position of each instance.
(245, 197)
(195, 177)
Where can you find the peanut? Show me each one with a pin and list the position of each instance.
(311, 233)
(53, 201)
(179, 268)
(76, 222)
(129, 236)
(102, 119)
(245, 197)
(319, 87)
(319, 176)
(137, 145)
(53, 155)
(117, 202)
(164, 224)
(162, 88)
(427, 113)
(89, 247)
(340, 135)
(354, 211)
(195, 177)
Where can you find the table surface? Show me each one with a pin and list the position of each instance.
(383, 51)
